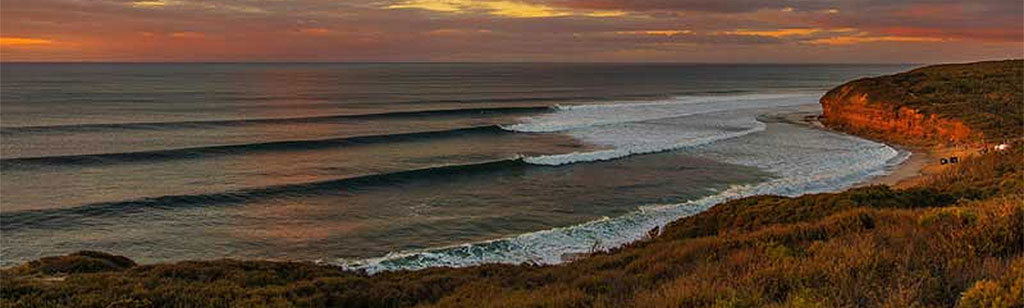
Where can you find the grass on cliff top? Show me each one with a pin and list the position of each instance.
(988, 96)
(959, 241)
(956, 240)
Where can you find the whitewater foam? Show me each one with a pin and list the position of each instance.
(582, 116)
(637, 148)
(803, 161)
(651, 127)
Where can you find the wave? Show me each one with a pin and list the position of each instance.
(620, 152)
(552, 246)
(827, 162)
(263, 121)
(583, 116)
(77, 216)
(210, 151)
(507, 99)
(657, 126)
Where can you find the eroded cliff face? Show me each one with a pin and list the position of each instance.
(853, 110)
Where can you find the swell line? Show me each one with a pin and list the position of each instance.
(263, 121)
(222, 150)
(74, 216)
(557, 245)
(603, 155)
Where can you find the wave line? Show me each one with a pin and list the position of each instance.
(208, 151)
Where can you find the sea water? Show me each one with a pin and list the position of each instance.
(380, 166)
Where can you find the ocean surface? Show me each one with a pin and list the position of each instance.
(399, 166)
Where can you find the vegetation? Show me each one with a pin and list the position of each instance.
(871, 246)
(956, 240)
(986, 96)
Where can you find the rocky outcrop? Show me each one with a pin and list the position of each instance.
(857, 110)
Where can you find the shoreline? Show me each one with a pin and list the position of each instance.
(856, 245)
(910, 172)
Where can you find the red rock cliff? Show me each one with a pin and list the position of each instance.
(854, 110)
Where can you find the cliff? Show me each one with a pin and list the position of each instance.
(852, 109)
(943, 104)
(957, 240)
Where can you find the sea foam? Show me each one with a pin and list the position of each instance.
(650, 127)
(575, 117)
(802, 160)
(648, 145)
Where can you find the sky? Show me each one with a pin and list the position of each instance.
(741, 31)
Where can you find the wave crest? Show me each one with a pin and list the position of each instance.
(577, 157)
(582, 116)
(803, 161)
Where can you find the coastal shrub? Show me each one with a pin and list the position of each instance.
(860, 256)
(939, 245)
(957, 239)
(987, 96)
(1008, 291)
(75, 263)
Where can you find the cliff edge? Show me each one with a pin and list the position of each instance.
(963, 104)
(955, 240)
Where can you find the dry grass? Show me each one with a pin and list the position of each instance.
(956, 240)
(866, 247)
(986, 96)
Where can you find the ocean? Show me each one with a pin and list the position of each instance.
(383, 166)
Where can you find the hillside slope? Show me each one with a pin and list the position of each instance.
(955, 240)
(954, 104)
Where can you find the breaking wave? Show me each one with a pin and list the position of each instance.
(582, 116)
(649, 127)
(653, 147)
(554, 245)
(802, 160)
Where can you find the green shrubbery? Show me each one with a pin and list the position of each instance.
(870, 246)
(986, 96)
(956, 240)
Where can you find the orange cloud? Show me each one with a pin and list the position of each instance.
(149, 4)
(785, 32)
(656, 32)
(188, 35)
(837, 36)
(498, 8)
(502, 8)
(849, 40)
(23, 41)
(457, 32)
(315, 31)
(976, 34)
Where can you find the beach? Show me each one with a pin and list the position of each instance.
(768, 207)
(921, 162)
(548, 159)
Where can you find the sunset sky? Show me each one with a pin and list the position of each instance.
(915, 31)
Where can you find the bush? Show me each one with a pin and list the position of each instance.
(958, 239)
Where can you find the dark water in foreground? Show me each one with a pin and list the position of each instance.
(342, 162)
